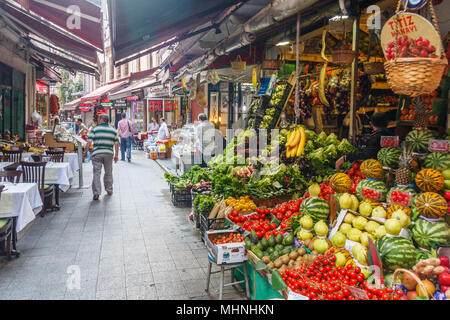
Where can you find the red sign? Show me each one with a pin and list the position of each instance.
(85, 105)
(133, 98)
(157, 105)
(85, 109)
(41, 87)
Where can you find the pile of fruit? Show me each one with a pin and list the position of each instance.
(226, 238)
(244, 204)
(407, 47)
(272, 247)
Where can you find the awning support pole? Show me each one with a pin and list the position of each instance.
(354, 83)
(297, 71)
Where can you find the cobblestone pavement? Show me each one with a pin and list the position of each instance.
(132, 245)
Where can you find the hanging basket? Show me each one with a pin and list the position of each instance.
(343, 56)
(372, 68)
(414, 76)
(238, 65)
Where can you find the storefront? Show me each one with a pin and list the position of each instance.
(138, 113)
(162, 105)
(12, 102)
(120, 106)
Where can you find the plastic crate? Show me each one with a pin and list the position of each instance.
(181, 200)
(210, 224)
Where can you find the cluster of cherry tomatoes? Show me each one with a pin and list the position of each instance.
(407, 47)
(322, 280)
(260, 221)
(371, 194)
(355, 174)
(400, 197)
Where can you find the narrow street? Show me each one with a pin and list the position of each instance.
(132, 245)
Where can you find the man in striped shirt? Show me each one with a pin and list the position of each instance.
(105, 139)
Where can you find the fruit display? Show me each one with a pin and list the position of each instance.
(230, 238)
(437, 161)
(401, 196)
(315, 207)
(372, 189)
(340, 182)
(429, 180)
(419, 139)
(431, 205)
(371, 169)
(244, 204)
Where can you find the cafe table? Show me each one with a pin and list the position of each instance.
(21, 202)
(71, 158)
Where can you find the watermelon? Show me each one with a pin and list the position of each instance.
(405, 191)
(418, 140)
(371, 184)
(316, 207)
(437, 160)
(396, 252)
(389, 157)
(426, 234)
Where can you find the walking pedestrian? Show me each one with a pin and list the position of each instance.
(125, 130)
(105, 139)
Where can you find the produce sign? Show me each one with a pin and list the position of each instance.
(439, 146)
(414, 35)
(390, 141)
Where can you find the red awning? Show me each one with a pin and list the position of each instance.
(134, 76)
(59, 12)
(31, 24)
(103, 90)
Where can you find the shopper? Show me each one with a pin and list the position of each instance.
(125, 130)
(105, 139)
(163, 131)
(205, 138)
(370, 144)
(82, 129)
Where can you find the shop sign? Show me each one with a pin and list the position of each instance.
(122, 103)
(133, 98)
(157, 105)
(101, 111)
(107, 103)
(95, 101)
(85, 107)
(439, 146)
(41, 87)
(267, 85)
(158, 91)
(412, 26)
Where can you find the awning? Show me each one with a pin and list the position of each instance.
(123, 93)
(103, 90)
(147, 23)
(32, 24)
(72, 105)
(62, 12)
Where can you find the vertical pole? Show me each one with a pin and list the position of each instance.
(354, 84)
(80, 165)
(297, 71)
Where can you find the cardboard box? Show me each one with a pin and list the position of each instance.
(228, 253)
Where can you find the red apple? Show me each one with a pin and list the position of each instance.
(447, 195)
(444, 261)
(444, 279)
(444, 288)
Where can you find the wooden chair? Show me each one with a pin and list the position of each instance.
(10, 176)
(34, 172)
(13, 156)
(6, 233)
(56, 156)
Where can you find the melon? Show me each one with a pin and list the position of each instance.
(371, 168)
(429, 180)
(317, 208)
(340, 182)
(396, 252)
(437, 160)
(431, 205)
(419, 139)
(427, 234)
(389, 157)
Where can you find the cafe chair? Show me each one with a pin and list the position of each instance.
(55, 156)
(34, 172)
(10, 176)
(13, 156)
(6, 231)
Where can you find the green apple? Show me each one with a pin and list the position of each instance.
(446, 174)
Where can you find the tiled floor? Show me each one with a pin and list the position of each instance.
(132, 245)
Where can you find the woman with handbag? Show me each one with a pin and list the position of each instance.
(125, 130)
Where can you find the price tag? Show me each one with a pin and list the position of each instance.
(357, 293)
(390, 141)
(295, 296)
(439, 146)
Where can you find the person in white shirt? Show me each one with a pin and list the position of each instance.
(163, 132)
(205, 138)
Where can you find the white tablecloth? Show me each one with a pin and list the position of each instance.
(26, 202)
(71, 158)
(55, 173)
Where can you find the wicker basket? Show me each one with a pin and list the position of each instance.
(395, 279)
(238, 65)
(414, 76)
(343, 56)
(371, 68)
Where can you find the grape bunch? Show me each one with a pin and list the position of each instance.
(410, 48)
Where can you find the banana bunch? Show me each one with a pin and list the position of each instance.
(295, 142)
